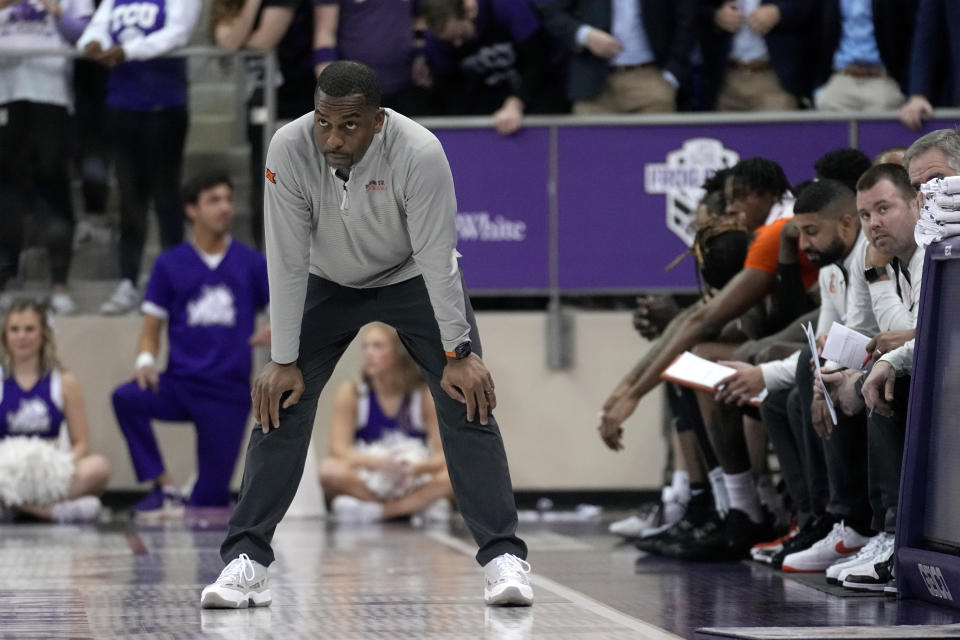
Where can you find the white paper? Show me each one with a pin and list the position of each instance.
(846, 347)
(695, 371)
(818, 375)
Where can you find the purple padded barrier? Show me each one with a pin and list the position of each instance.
(502, 206)
(926, 502)
(877, 135)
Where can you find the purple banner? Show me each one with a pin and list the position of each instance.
(628, 194)
(879, 135)
(503, 211)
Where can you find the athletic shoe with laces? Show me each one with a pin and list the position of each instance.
(83, 509)
(766, 551)
(647, 517)
(62, 304)
(870, 577)
(242, 583)
(879, 548)
(125, 298)
(813, 530)
(507, 581)
(730, 541)
(699, 513)
(162, 502)
(842, 542)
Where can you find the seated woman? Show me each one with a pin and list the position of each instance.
(385, 455)
(38, 476)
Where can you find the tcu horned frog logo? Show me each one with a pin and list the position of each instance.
(680, 178)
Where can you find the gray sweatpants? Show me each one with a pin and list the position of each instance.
(476, 461)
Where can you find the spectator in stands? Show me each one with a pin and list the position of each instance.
(385, 455)
(891, 155)
(486, 56)
(628, 57)
(147, 97)
(843, 165)
(37, 396)
(380, 34)
(35, 104)
(208, 291)
(934, 61)
(91, 155)
(752, 52)
(864, 55)
(283, 26)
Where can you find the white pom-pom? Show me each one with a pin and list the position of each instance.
(33, 471)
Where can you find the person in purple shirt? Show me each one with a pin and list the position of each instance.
(284, 27)
(208, 291)
(147, 97)
(385, 35)
(486, 56)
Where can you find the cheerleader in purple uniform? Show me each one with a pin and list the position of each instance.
(385, 455)
(44, 472)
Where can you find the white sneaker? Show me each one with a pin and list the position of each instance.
(647, 517)
(125, 298)
(92, 229)
(437, 511)
(62, 304)
(84, 509)
(507, 581)
(242, 583)
(841, 543)
(874, 551)
(354, 510)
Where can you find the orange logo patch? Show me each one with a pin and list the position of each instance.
(271, 176)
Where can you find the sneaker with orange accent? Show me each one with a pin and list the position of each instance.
(766, 551)
(842, 542)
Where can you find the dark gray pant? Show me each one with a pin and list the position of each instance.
(799, 451)
(885, 440)
(476, 460)
(845, 453)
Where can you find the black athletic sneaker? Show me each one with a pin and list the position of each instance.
(814, 530)
(890, 588)
(730, 541)
(686, 532)
(699, 511)
(874, 579)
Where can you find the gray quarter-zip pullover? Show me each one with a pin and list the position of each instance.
(392, 220)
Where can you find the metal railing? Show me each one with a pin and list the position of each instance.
(270, 71)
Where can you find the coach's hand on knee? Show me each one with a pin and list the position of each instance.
(274, 381)
(468, 381)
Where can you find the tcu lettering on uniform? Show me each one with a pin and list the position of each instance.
(935, 582)
(139, 14)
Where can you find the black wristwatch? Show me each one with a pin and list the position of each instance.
(461, 351)
(874, 273)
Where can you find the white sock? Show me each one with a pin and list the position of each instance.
(681, 486)
(721, 499)
(742, 490)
